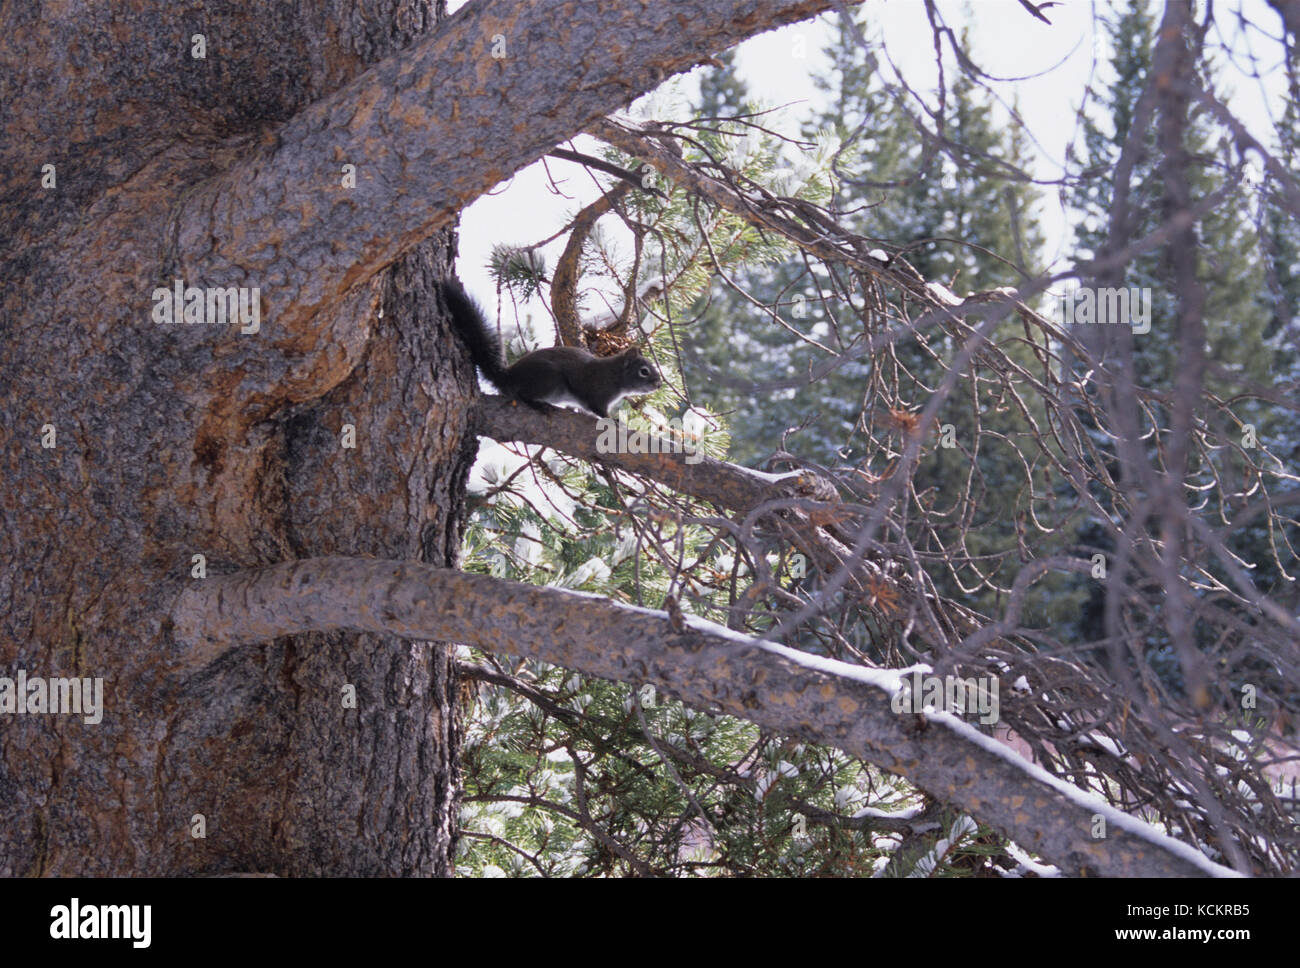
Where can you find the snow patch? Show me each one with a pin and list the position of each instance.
(943, 294)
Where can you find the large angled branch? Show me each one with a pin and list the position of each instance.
(430, 130)
(704, 665)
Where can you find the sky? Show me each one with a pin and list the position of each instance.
(1047, 70)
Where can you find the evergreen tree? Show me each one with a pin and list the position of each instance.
(722, 92)
(959, 219)
(1236, 314)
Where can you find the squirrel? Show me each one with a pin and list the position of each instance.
(556, 375)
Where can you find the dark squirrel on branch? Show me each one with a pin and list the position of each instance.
(556, 375)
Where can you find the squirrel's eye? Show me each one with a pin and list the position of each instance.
(645, 372)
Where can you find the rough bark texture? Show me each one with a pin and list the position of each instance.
(96, 531)
(435, 128)
(181, 440)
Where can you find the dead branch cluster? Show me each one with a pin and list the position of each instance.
(1163, 478)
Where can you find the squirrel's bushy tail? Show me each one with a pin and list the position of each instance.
(479, 335)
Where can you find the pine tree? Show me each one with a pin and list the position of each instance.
(1236, 314)
(960, 219)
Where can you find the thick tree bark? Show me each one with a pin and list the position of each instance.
(98, 526)
(173, 441)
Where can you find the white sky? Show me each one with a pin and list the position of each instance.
(779, 68)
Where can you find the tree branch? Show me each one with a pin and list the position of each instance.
(705, 665)
(631, 178)
(756, 206)
(564, 281)
(803, 506)
(727, 485)
(429, 133)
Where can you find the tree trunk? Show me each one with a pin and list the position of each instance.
(286, 775)
(132, 445)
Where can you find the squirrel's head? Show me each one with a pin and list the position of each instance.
(639, 374)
